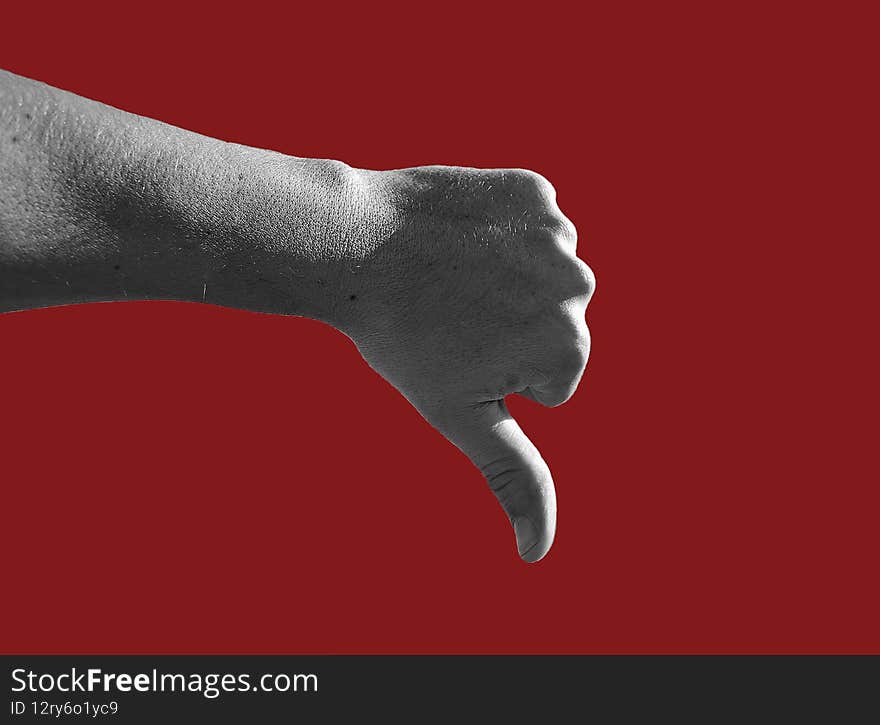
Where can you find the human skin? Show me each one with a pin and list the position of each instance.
(459, 286)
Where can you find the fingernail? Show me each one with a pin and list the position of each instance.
(526, 535)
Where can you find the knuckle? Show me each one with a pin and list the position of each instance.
(586, 279)
(548, 237)
(576, 360)
(572, 277)
(573, 354)
(564, 228)
(534, 183)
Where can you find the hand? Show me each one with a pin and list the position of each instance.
(477, 295)
(459, 286)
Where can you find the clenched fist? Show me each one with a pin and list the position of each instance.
(477, 295)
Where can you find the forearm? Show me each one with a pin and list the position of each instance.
(98, 204)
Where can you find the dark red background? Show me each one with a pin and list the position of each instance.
(179, 478)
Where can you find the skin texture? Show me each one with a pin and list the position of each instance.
(459, 286)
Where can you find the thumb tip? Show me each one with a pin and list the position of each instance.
(529, 543)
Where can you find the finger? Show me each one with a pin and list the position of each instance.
(552, 394)
(565, 230)
(568, 371)
(513, 467)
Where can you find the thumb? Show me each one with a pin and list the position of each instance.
(516, 473)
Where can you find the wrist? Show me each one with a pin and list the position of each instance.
(305, 246)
